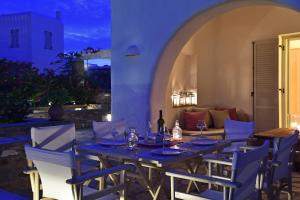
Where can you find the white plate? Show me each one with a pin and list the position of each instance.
(204, 142)
(112, 142)
(167, 152)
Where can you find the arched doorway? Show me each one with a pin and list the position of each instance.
(165, 66)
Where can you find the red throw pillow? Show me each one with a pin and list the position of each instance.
(191, 118)
(231, 111)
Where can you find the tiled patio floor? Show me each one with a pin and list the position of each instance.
(136, 192)
(12, 179)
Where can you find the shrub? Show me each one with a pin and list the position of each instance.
(19, 82)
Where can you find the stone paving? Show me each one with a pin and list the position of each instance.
(14, 185)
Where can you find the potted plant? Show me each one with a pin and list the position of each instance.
(57, 98)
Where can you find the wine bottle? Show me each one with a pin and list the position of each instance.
(160, 122)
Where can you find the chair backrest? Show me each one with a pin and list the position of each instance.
(58, 138)
(54, 169)
(245, 168)
(109, 130)
(238, 130)
(283, 152)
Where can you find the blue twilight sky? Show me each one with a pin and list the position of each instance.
(87, 22)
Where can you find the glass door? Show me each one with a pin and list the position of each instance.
(289, 80)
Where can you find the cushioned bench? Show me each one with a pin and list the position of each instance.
(211, 131)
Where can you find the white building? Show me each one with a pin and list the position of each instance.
(32, 38)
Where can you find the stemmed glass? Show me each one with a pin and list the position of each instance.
(114, 133)
(148, 131)
(132, 139)
(201, 125)
(166, 134)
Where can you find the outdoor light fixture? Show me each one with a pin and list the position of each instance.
(184, 99)
(295, 122)
(132, 51)
(108, 117)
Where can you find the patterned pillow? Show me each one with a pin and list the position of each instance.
(219, 117)
(232, 112)
(191, 118)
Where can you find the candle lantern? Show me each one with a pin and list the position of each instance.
(175, 100)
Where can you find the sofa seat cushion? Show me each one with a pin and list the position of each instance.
(208, 132)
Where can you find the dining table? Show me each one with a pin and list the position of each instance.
(274, 133)
(185, 153)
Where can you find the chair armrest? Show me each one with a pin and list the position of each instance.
(274, 163)
(217, 160)
(247, 148)
(253, 147)
(99, 173)
(238, 140)
(30, 170)
(203, 179)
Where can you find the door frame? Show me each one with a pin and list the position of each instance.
(283, 79)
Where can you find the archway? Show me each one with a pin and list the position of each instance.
(178, 41)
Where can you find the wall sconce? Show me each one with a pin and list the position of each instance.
(132, 51)
(184, 99)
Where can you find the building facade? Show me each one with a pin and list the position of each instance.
(31, 38)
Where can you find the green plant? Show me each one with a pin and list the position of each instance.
(58, 96)
(19, 82)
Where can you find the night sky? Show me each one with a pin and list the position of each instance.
(87, 22)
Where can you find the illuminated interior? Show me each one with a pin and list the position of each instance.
(294, 82)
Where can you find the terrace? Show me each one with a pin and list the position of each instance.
(225, 73)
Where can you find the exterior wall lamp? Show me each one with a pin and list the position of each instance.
(132, 51)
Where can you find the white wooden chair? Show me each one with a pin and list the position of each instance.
(110, 130)
(61, 179)
(241, 185)
(58, 138)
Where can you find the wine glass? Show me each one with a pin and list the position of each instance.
(114, 133)
(148, 131)
(166, 136)
(132, 139)
(201, 125)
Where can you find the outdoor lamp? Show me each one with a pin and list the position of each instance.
(132, 51)
(108, 117)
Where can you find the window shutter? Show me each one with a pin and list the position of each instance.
(266, 84)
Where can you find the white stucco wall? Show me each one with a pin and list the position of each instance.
(31, 38)
(22, 22)
(42, 57)
(151, 25)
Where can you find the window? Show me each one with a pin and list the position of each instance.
(48, 40)
(14, 38)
